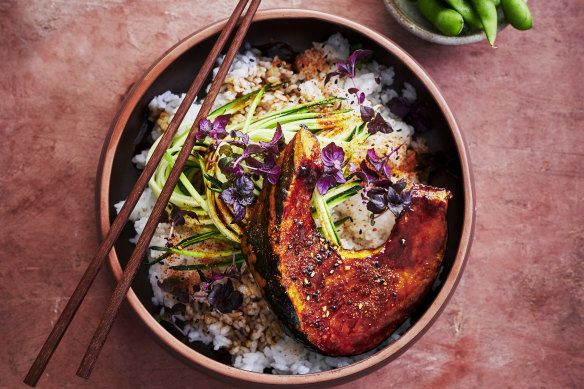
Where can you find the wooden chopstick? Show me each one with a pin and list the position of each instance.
(105, 247)
(131, 269)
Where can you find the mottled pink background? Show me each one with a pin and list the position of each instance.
(516, 317)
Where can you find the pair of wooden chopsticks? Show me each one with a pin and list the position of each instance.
(123, 286)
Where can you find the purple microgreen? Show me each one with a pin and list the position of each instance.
(216, 131)
(328, 77)
(378, 76)
(400, 106)
(205, 282)
(239, 196)
(175, 218)
(224, 298)
(380, 191)
(347, 69)
(175, 287)
(359, 55)
(411, 112)
(277, 143)
(367, 113)
(333, 158)
(366, 174)
(374, 160)
(377, 201)
(325, 182)
(378, 124)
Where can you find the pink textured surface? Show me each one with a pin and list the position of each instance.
(516, 317)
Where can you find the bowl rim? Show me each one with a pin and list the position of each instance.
(233, 374)
(432, 36)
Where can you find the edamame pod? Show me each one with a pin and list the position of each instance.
(447, 20)
(517, 14)
(464, 8)
(488, 14)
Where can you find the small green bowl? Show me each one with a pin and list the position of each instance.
(408, 15)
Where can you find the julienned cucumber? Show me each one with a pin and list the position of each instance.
(447, 20)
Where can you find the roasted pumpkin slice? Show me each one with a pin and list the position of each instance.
(340, 302)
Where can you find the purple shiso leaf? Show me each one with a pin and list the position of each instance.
(352, 167)
(378, 124)
(243, 185)
(239, 196)
(224, 298)
(386, 170)
(241, 135)
(377, 200)
(359, 55)
(205, 128)
(392, 196)
(273, 175)
(382, 183)
(353, 90)
(361, 98)
(239, 213)
(421, 121)
(328, 77)
(345, 70)
(399, 186)
(339, 177)
(273, 145)
(332, 155)
(220, 122)
(367, 113)
(366, 174)
(374, 160)
(407, 196)
(400, 106)
(324, 183)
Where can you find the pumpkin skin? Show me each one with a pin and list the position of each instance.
(339, 302)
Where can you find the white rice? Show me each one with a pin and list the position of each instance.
(252, 334)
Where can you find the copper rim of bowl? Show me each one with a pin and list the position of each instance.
(433, 35)
(219, 369)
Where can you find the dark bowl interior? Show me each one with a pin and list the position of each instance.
(298, 33)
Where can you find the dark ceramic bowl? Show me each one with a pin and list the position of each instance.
(175, 70)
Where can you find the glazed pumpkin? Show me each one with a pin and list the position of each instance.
(340, 302)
